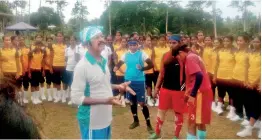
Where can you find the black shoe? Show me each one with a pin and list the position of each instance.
(134, 125)
(150, 129)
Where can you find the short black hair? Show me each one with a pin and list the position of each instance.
(183, 48)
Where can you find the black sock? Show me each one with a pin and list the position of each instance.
(146, 115)
(134, 112)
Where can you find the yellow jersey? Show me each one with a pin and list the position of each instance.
(149, 53)
(120, 53)
(59, 55)
(254, 67)
(207, 53)
(24, 56)
(36, 60)
(11, 55)
(226, 59)
(159, 52)
(48, 56)
(239, 71)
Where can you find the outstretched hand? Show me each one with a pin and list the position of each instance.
(125, 88)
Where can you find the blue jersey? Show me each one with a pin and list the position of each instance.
(132, 60)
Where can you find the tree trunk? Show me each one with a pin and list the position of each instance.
(29, 12)
(109, 18)
(214, 18)
(144, 26)
(166, 20)
(244, 18)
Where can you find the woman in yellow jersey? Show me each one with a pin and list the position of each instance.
(200, 38)
(223, 74)
(24, 62)
(38, 39)
(217, 44)
(47, 69)
(252, 97)
(160, 50)
(209, 57)
(121, 71)
(19, 80)
(10, 61)
(117, 40)
(58, 67)
(239, 76)
(35, 70)
(149, 74)
(195, 47)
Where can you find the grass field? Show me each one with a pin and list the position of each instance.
(59, 121)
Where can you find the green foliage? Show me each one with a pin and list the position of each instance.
(44, 17)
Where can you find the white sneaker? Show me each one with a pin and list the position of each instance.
(149, 101)
(33, 98)
(58, 96)
(231, 112)
(25, 100)
(235, 118)
(228, 107)
(219, 109)
(69, 103)
(245, 122)
(245, 132)
(157, 102)
(49, 95)
(259, 134)
(213, 106)
(257, 124)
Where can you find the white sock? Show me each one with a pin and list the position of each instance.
(42, 90)
(25, 94)
(55, 93)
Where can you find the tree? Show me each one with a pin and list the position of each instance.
(5, 13)
(242, 7)
(44, 17)
(60, 4)
(79, 12)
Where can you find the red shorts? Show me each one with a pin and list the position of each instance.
(199, 112)
(171, 99)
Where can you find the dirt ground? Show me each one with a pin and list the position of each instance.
(59, 121)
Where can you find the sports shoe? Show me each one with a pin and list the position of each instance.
(150, 129)
(214, 106)
(25, 101)
(245, 132)
(235, 118)
(134, 125)
(228, 107)
(231, 112)
(245, 122)
(157, 102)
(259, 134)
(219, 109)
(154, 136)
(37, 98)
(58, 96)
(149, 101)
(175, 138)
(257, 124)
(69, 103)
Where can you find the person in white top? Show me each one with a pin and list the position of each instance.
(92, 90)
(71, 61)
(107, 54)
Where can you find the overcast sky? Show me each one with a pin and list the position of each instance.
(96, 7)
